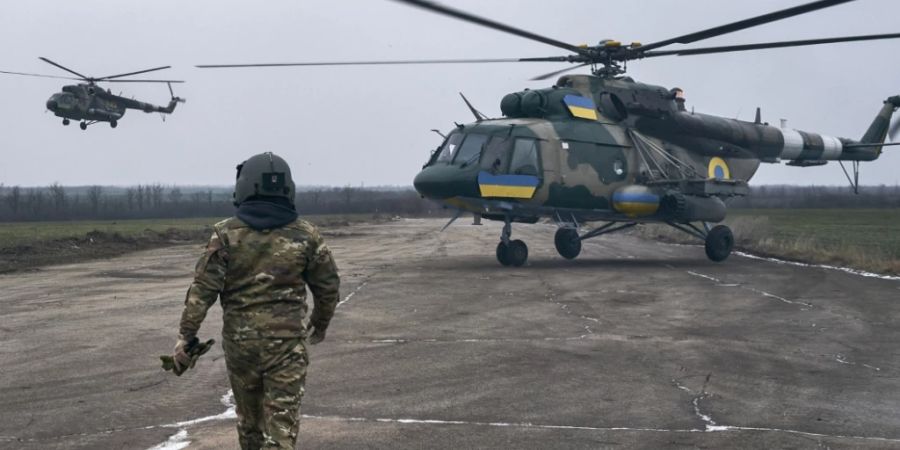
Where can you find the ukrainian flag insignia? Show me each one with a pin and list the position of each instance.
(507, 186)
(581, 107)
(718, 169)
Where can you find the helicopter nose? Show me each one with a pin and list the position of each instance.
(442, 182)
(51, 105)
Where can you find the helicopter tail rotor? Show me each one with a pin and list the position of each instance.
(175, 99)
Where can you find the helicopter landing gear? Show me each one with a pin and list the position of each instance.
(511, 252)
(113, 123)
(718, 241)
(83, 125)
(567, 242)
(65, 122)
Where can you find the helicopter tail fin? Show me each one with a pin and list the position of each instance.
(878, 130)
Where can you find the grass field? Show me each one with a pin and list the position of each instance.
(26, 245)
(867, 239)
(29, 233)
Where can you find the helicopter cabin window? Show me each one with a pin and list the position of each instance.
(446, 152)
(470, 149)
(496, 154)
(525, 157)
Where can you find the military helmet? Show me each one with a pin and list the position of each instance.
(263, 174)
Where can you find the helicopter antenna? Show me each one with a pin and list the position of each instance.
(478, 115)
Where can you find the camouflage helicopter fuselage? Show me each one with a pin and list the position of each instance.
(89, 102)
(592, 148)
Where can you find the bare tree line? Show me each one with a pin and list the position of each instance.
(56, 202)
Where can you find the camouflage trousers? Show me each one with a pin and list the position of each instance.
(267, 377)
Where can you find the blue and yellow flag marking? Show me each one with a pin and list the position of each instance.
(507, 186)
(581, 107)
(718, 169)
(635, 203)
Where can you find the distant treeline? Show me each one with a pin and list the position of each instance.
(783, 196)
(156, 201)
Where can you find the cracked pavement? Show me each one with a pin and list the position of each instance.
(635, 344)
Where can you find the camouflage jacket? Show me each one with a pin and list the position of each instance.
(261, 278)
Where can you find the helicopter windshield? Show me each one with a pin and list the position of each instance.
(470, 149)
(445, 154)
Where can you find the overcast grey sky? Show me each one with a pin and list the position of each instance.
(370, 125)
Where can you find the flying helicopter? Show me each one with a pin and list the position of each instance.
(606, 148)
(89, 103)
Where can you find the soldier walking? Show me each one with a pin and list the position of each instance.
(259, 264)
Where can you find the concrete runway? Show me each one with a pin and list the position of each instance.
(634, 345)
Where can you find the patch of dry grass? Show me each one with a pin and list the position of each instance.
(862, 239)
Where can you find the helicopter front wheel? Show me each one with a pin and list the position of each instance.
(66, 122)
(515, 253)
(719, 243)
(113, 124)
(83, 125)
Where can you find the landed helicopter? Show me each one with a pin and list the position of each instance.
(606, 148)
(90, 104)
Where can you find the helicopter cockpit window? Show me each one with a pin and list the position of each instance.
(496, 154)
(470, 149)
(446, 152)
(525, 158)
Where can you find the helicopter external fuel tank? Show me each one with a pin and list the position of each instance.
(635, 200)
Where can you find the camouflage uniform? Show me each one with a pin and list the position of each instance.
(261, 277)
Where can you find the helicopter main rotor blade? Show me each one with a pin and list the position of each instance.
(746, 23)
(558, 72)
(141, 81)
(39, 75)
(766, 45)
(132, 73)
(64, 68)
(462, 15)
(384, 63)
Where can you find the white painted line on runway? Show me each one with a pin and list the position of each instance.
(713, 279)
(180, 440)
(766, 294)
(350, 295)
(710, 428)
(177, 441)
(861, 273)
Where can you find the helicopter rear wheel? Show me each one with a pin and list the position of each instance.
(719, 243)
(113, 124)
(83, 125)
(568, 245)
(65, 121)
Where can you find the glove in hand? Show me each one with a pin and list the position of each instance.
(185, 355)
